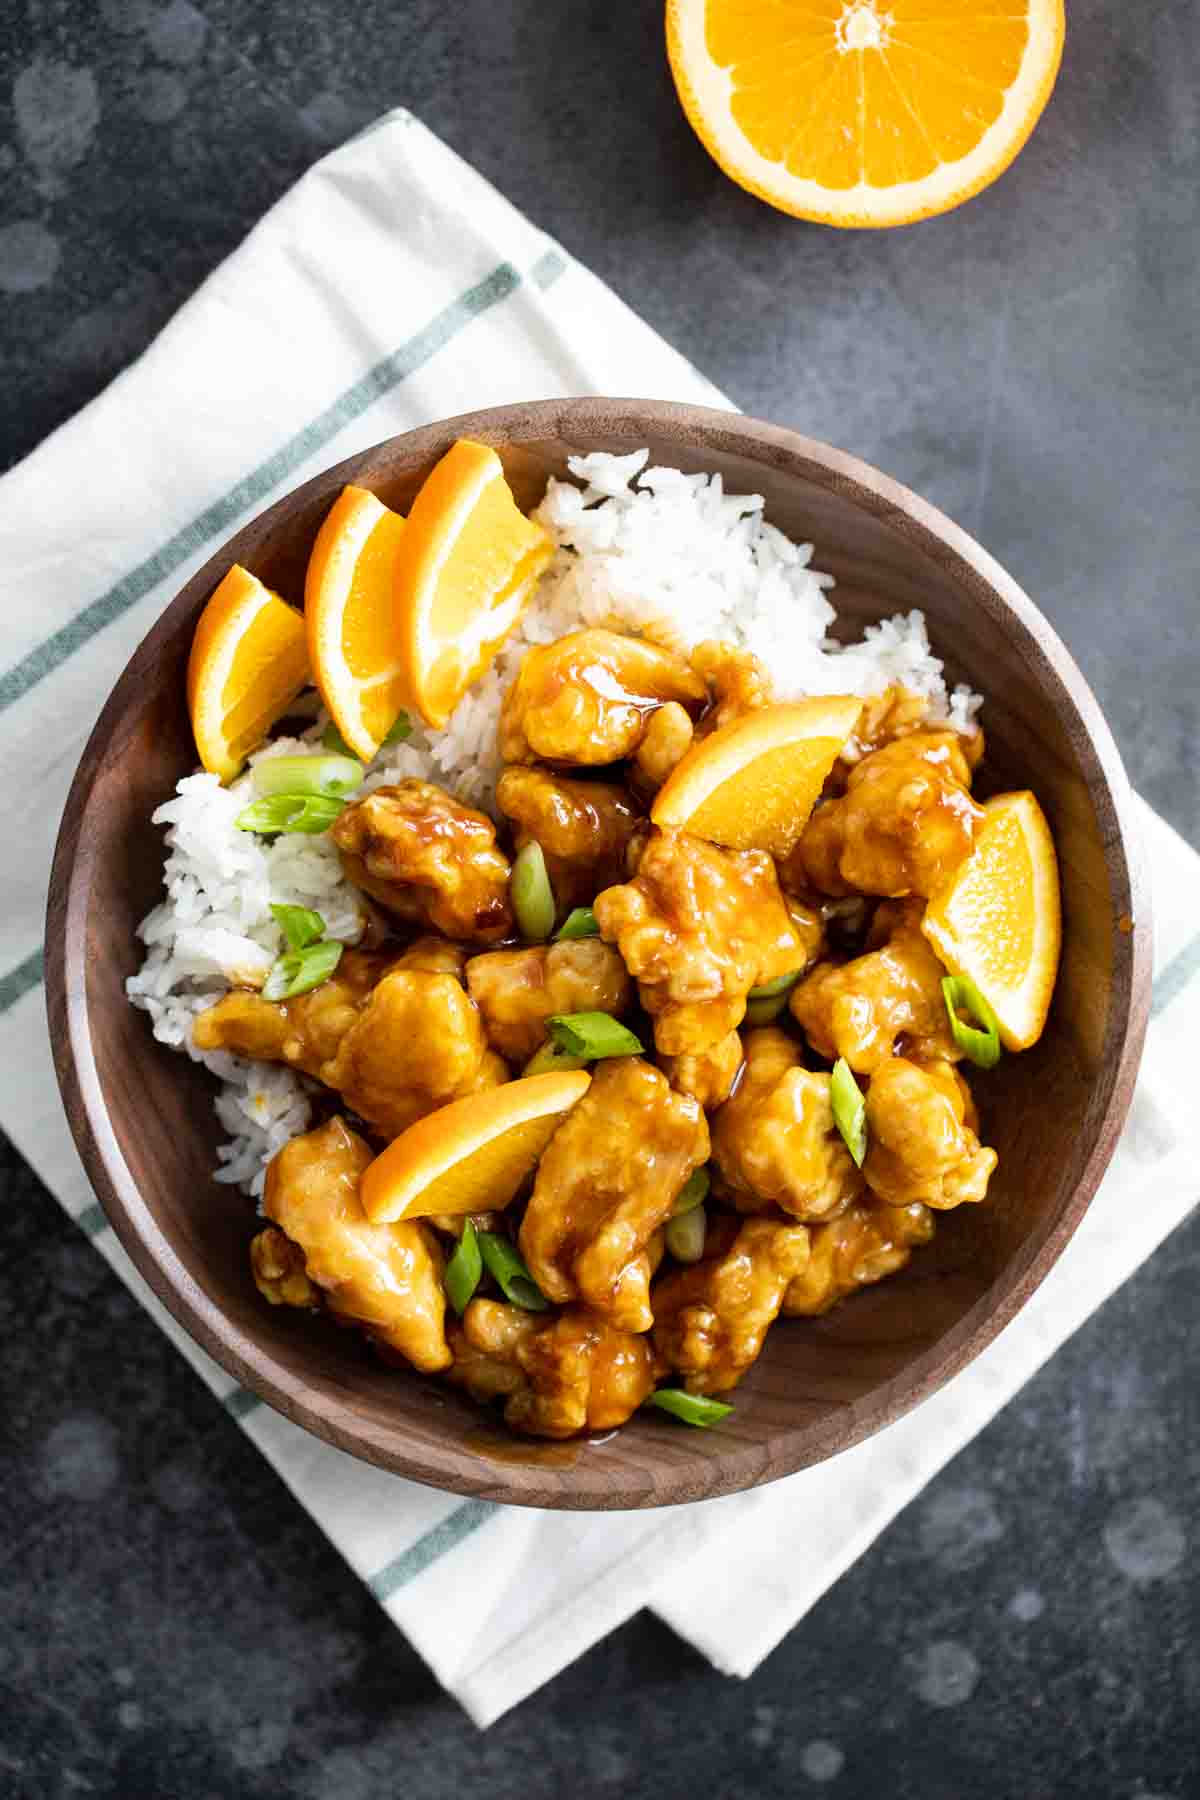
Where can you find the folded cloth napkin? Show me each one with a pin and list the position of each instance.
(390, 287)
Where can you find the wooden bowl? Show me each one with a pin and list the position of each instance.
(143, 1117)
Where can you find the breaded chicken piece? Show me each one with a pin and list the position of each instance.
(707, 1075)
(516, 991)
(775, 1142)
(605, 1186)
(583, 827)
(737, 683)
(588, 697)
(577, 1372)
(891, 996)
(904, 824)
(428, 859)
(277, 1266)
(396, 1039)
(711, 1318)
(921, 1140)
(665, 742)
(698, 927)
(386, 1278)
(868, 1242)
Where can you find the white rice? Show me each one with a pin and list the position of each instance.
(653, 551)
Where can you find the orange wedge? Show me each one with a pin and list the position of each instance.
(999, 918)
(350, 616)
(248, 662)
(472, 1155)
(752, 784)
(465, 568)
(864, 112)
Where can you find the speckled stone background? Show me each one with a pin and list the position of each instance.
(171, 1625)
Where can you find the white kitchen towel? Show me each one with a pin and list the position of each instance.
(392, 286)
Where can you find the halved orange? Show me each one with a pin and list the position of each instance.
(472, 1155)
(998, 920)
(752, 784)
(248, 661)
(466, 565)
(864, 112)
(350, 615)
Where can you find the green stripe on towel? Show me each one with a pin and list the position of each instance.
(18, 982)
(240, 1402)
(1177, 975)
(431, 1548)
(218, 519)
(547, 269)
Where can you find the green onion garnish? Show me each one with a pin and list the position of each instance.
(290, 812)
(765, 1003)
(579, 923)
(849, 1109)
(299, 971)
(330, 776)
(552, 1059)
(504, 1263)
(764, 1012)
(333, 740)
(685, 1235)
(782, 984)
(531, 894)
(299, 925)
(980, 1044)
(693, 1192)
(693, 1409)
(464, 1269)
(593, 1035)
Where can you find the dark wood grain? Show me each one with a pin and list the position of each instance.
(143, 1120)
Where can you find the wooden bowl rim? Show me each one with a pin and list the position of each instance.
(707, 432)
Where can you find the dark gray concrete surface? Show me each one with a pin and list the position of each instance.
(170, 1623)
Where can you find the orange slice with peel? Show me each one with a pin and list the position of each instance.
(998, 920)
(248, 661)
(752, 784)
(472, 1155)
(864, 112)
(467, 563)
(350, 616)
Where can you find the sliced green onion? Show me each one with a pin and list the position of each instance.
(782, 984)
(579, 923)
(980, 1044)
(299, 971)
(552, 1059)
(693, 1409)
(849, 1109)
(764, 1004)
(299, 925)
(686, 1233)
(290, 812)
(324, 774)
(464, 1269)
(765, 1012)
(531, 894)
(693, 1193)
(504, 1263)
(593, 1035)
(332, 739)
